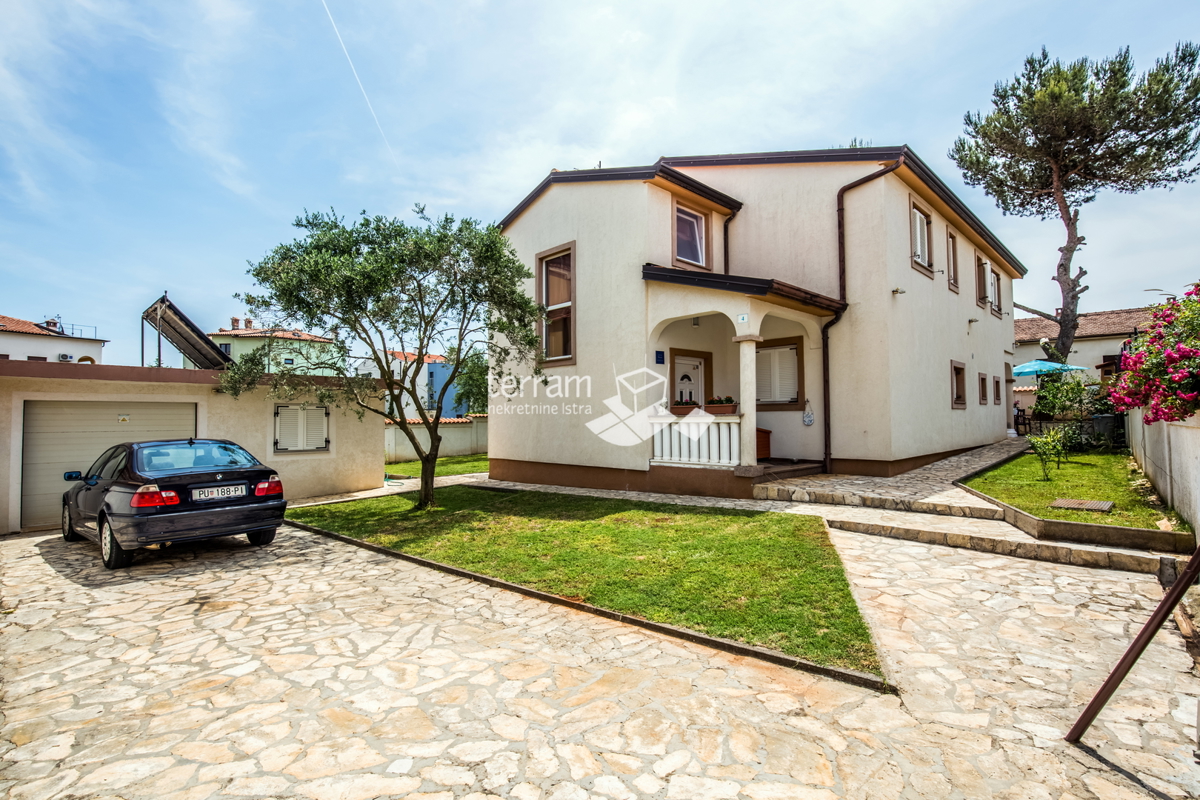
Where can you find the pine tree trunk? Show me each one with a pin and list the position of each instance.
(1068, 315)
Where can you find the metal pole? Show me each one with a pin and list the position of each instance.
(159, 327)
(143, 341)
(1160, 615)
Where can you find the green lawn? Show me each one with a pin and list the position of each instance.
(449, 465)
(768, 579)
(1085, 477)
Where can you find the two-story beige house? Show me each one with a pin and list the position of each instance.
(851, 305)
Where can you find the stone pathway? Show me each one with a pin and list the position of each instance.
(929, 489)
(314, 669)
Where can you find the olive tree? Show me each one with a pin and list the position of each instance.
(1060, 133)
(388, 294)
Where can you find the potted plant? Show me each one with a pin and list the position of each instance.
(681, 408)
(721, 405)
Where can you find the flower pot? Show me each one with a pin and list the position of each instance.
(721, 408)
(683, 411)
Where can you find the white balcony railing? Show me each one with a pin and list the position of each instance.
(713, 441)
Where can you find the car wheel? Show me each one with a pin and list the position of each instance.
(261, 538)
(68, 528)
(115, 557)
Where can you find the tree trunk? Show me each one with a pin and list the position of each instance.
(428, 468)
(1068, 317)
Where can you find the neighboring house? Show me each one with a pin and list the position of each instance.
(21, 340)
(461, 436)
(291, 348)
(850, 282)
(56, 417)
(430, 380)
(1098, 340)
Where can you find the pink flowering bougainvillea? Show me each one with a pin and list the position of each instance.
(1162, 365)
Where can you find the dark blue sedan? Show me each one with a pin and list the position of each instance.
(153, 494)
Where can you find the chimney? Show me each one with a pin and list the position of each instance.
(233, 323)
(52, 324)
(249, 323)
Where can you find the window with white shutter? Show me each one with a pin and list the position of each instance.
(921, 224)
(778, 374)
(300, 428)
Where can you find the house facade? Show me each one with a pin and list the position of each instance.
(1099, 339)
(857, 312)
(291, 348)
(22, 340)
(431, 377)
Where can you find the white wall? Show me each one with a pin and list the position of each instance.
(458, 439)
(1084, 353)
(1169, 454)
(19, 346)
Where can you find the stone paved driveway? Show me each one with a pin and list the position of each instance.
(319, 670)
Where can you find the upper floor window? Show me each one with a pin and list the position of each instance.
(981, 280)
(994, 294)
(224, 348)
(921, 224)
(556, 291)
(690, 244)
(952, 259)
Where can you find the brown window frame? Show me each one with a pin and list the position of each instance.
(958, 385)
(539, 298)
(768, 344)
(981, 281)
(996, 390)
(35, 358)
(706, 219)
(952, 259)
(924, 268)
(983, 388)
(996, 303)
(3, 356)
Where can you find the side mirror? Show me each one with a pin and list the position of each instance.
(72, 476)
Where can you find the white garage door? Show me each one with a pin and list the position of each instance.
(62, 436)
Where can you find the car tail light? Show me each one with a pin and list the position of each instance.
(149, 496)
(271, 485)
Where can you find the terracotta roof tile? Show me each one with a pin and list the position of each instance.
(406, 356)
(442, 421)
(1118, 322)
(14, 325)
(271, 333)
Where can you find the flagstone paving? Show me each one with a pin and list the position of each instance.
(315, 669)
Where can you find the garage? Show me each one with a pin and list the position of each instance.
(65, 435)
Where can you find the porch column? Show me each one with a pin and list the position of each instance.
(748, 396)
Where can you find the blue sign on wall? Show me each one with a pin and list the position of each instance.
(660, 357)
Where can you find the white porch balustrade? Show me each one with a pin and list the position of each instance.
(714, 441)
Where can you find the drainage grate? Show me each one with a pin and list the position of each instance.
(1084, 505)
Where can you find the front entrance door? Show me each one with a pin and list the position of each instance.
(689, 379)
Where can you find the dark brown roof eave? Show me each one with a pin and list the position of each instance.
(651, 172)
(911, 160)
(758, 287)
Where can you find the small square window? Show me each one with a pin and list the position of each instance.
(689, 236)
(289, 361)
(958, 384)
(224, 348)
(983, 389)
(299, 428)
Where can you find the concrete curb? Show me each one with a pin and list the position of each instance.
(864, 679)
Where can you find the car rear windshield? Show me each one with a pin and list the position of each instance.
(200, 455)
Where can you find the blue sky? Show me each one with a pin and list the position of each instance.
(152, 146)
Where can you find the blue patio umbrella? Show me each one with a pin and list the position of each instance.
(1042, 368)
